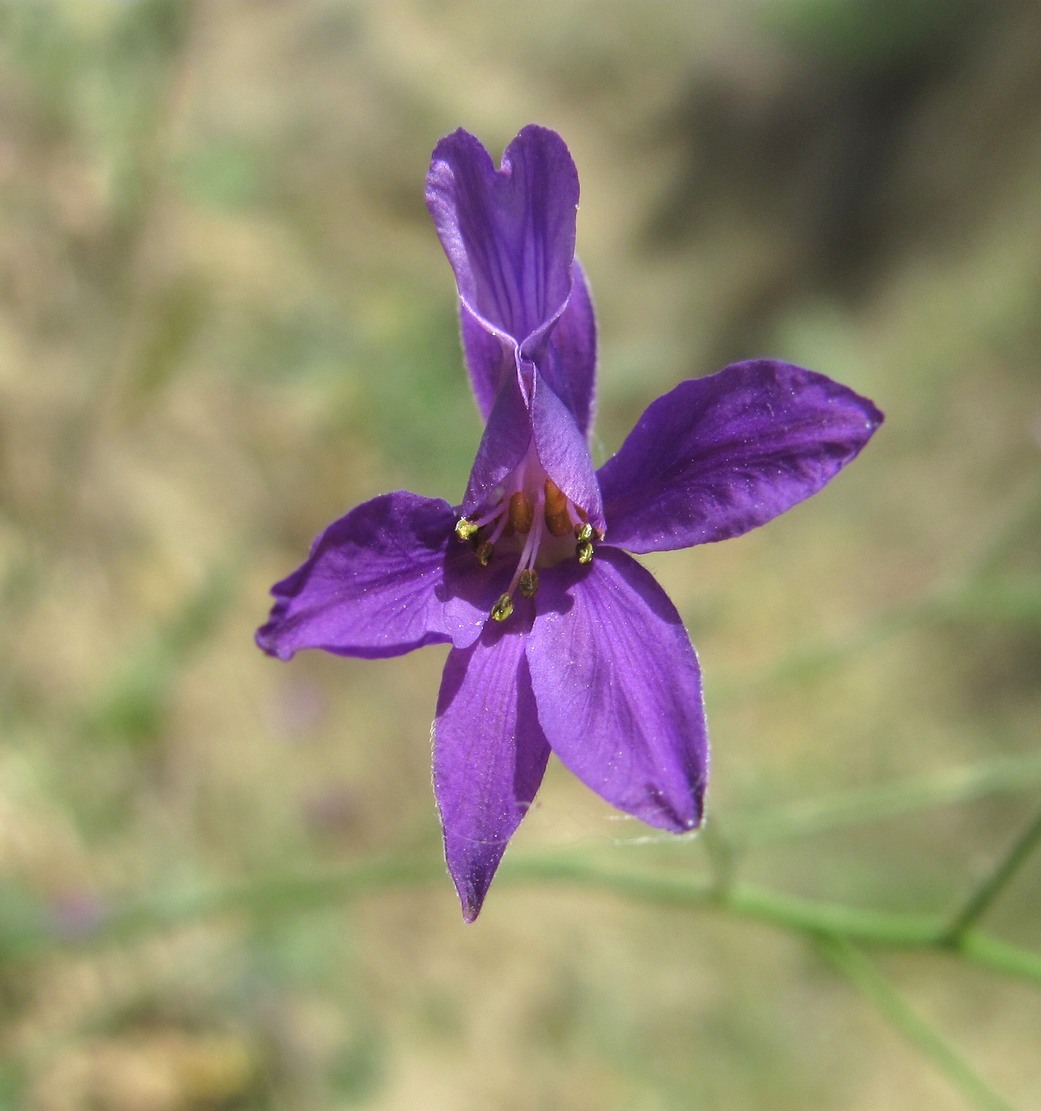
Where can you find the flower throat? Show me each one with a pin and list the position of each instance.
(534, 519)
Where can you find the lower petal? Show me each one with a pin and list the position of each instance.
(489, 757)
(619, 690)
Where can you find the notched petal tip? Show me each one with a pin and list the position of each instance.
(509, 233)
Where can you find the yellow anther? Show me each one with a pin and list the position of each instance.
(529, 582)
(465, 529)
(522, 513)
(584, 533)
(484, 552)
(502, 608)
(584, 551)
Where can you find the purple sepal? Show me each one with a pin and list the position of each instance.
(618, 689)
(489, 755)
(388, 577)
(718, 456)
(509, 235)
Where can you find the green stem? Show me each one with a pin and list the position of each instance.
(860, 972)
(980, 900)
(297, 893)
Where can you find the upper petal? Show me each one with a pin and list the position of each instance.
(618, 689)
(718, 456)
(509, 234)
(388, 577)
(567, 359)
(489, 757)
(488, 358)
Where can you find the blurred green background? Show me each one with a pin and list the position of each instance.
(225, 319)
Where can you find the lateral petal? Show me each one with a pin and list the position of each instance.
(563, 450)
(503, 445)
(489, 757)
(718, 456)
(618, 689)
(388, 577)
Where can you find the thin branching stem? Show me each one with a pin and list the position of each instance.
(870, 982)
(294, 894)
(980, 901)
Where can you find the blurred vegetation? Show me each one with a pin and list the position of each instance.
(225, 319)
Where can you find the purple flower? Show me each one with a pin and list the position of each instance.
(560, 640)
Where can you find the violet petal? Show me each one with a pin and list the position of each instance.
(503, 445)
(563, 450)
(388, 577)
(488, 358)
(718, 456)
(489, 757)
(568, 360)
(509, 234)
(619, 689)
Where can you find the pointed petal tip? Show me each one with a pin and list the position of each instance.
(266, 639)
(684, 820)
(470, 910)
(471, 886)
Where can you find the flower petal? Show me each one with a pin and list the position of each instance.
(718, 456)
(619, 689)
(489, 756)
(388, 577)
(488, 358)
(568, 360)
(563, 450)
(503, 445)
(509, 234)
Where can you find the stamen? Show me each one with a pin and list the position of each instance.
(521, 512)
(502, 608)
(529, 582)
(558, 520)
(465, 528)
(534, 520)
(500, 528)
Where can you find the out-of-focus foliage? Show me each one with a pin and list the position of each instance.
(225, 319)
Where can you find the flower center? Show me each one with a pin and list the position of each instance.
(532, 519)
